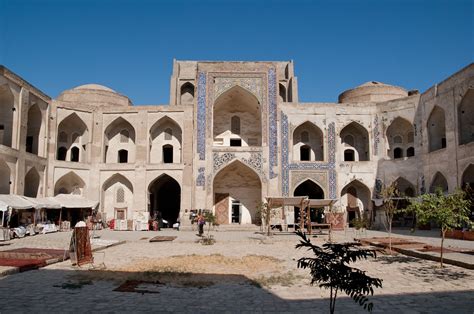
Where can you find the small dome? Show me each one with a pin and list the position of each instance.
(96, 87)
(372, 91)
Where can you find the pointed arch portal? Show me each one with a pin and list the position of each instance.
(165, 199)
(237, 193)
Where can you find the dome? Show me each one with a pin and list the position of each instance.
(372, 91)
(95, 87)
(94, 95)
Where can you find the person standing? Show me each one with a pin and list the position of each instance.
(201, 221)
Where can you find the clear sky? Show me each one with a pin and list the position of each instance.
(129, 46)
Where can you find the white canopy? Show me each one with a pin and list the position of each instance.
(14, 201)
(59, 201)
(75, 201)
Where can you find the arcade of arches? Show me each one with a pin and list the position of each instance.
(72, 140)
(308, 142)
(165, 141)
(119, 142)
(355, 139)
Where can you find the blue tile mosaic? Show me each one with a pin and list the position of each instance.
(201, 178)
(201, 116)
(272, 116)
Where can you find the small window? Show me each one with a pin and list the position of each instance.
(349, 140)
(304, 136)
(29, 144)
(397, 153)
(75, 154)
(120, 195)
(123, 156)
(124, 136)
(443, 142)
(410, 152)
(305, 153)
(62, 152)
(349, 155)
(168, 134)
(235, 142)
(167, 154)
(235, 125)
(398, 139)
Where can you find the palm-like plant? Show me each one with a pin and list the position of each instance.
(330, 268)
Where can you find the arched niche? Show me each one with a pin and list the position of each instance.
(119, 136)
(34, 129)
(282, 92)
(400, 135)
(308, 135)
(355, 199)
(72, 132)
(117, 194)
(32, 183)
(312, 190)
(466, 118)
(165, 198)
(237, 102)
(166, 132)
(187, 93)
(237, 193)
(70, 183)
(360, 138)
(7, 111)
(436, 129)
(5, 176)
(439, 182)
(404, 188)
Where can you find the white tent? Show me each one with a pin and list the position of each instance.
(74, 201)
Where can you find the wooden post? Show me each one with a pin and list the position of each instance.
(60, 215)
(302, 216)
(308, 219)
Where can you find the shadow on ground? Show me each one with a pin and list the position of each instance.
(111, 291)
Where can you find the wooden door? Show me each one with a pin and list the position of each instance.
(221, 201)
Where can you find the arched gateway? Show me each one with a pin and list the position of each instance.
(165, 198)
(237, 193)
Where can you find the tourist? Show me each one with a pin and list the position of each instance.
(201, 221)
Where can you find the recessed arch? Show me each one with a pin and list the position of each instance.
(439, 182)
(468, 176)
(72, 130)
(466, 118)
(237, 101)
(165, 131)
(7, 112)
(310, 137)
(237, 192)
(282, 92)
(5, 177)
(404, 187)
(361, 140)
(399, 136)
(436, 126)
(312, 190)
(70, 183)
(32, 183)
(116, 185)
(165, 198)
(114, 140)
(187, 93)
(33, 129)
(356, 199)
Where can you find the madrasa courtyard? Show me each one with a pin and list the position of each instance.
(232, 136)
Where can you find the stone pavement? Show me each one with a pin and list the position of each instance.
(410, 285)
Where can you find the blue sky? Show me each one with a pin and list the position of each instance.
(130, 45)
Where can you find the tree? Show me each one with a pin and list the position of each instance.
(447, 210)
(211, 220)
(389, 206)
(330, 268)
(266, 214)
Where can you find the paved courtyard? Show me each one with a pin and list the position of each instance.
(241, 272)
